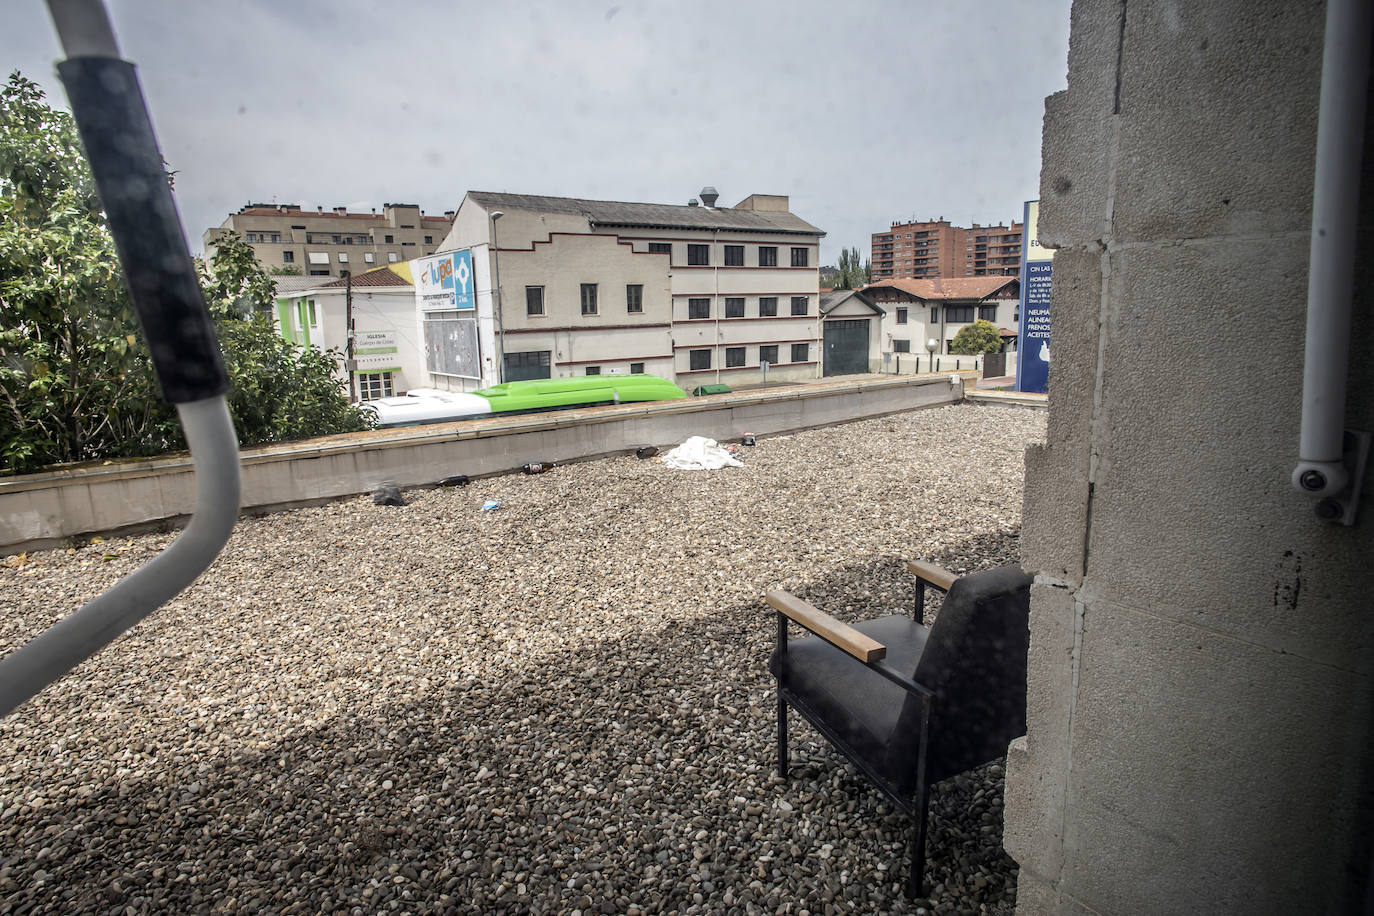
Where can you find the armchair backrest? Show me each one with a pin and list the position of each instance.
(975, 661)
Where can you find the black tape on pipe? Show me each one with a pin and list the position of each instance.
(129, 174)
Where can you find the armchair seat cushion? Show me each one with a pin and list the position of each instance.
(862, 707)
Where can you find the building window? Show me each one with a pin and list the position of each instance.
(523, 366)
(369, 257)
(636, 368)
(343, 257)
(768, 256)
(799, 305)
(734, 357)
(768, 306)
(276, 236)
(389, 240)
(319, 273)
(698, 255)
(288, 257)
(374, 385)
(768, 354)
(934, 314)
(634, 297)
(901, 316)
(661, 248)
(987, 313)
(429, 240)
(589, 298)
(901, 346)
(799, 352)
(392, 257)
(701, 359)
(534, 300)
(799, 257)
(698, 308)
(593, 370)
(734, 255)
(958, 313)
(734, 307)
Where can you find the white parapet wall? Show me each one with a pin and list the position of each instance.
(41, 510)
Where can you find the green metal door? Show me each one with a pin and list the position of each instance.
(846, 346)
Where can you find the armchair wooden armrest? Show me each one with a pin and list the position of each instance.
(839, 634)
(937, 576)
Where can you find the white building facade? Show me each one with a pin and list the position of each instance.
(695, 294)
(388, 342)
(917, 311)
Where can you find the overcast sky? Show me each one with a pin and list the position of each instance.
(862, 113)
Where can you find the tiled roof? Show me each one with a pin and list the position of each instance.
(948, 288)
(377, 276)
(660, 216)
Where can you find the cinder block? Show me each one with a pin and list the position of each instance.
(1038, 764)
(1055, 509)
(1210, 775)
(1218, 119)
(1075, 314)
(1054, 512)
(1193, 515)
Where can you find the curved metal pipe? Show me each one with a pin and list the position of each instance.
(98, 622)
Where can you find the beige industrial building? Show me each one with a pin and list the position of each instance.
(324, 243)
(698, 294)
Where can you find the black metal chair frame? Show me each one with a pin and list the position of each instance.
(915, 806)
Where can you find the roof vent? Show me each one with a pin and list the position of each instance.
(692, 202)
(709, 196)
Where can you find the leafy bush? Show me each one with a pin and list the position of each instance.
(977, 338)
(76, 383)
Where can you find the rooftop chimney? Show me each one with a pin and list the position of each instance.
(709, 196)
(692, 202)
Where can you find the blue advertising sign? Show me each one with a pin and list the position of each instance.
(1033, 340)
(444, 281)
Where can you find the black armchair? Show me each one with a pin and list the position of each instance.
(911, 705)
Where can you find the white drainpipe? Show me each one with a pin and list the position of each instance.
(1335, 204)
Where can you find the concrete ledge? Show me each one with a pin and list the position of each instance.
(41, 510)
(1009, 398)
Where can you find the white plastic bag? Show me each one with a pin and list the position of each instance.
(698, 453)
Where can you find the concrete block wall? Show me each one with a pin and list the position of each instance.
(1199, 712)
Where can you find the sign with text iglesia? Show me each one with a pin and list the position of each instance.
(1033, 338)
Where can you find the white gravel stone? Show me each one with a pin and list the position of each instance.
(560, 706)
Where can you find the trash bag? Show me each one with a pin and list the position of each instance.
(698, 453)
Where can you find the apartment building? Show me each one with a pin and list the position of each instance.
(324, 243)
(935, 248)
(698, 294)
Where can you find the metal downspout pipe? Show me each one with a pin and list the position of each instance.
(1321, 471)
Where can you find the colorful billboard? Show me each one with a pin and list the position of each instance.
(445, 281)
(1033, 340)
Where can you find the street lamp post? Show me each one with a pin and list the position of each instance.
(496, 283)
(931, 346)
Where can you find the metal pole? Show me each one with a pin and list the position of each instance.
(496, 282)
(350, 359)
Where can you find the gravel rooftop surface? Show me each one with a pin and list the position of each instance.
(559, 706)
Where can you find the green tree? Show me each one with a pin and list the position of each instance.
(852, 274)
(76, 383)
(977, 338)
(278, 391)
